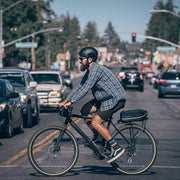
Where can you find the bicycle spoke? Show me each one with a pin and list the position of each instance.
(49, 158)
(139, 154)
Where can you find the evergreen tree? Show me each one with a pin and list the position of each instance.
(111, 38)
(90, 34)
(162, 25)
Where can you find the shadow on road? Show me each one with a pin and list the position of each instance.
(94, 170)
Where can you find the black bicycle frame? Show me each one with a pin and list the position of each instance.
(75, 126)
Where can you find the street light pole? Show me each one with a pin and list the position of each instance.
(164, 11)
(1, 26)
(178, 48)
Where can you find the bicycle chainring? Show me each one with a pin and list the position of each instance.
(98, 156)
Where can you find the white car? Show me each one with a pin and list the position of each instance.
(51, 88)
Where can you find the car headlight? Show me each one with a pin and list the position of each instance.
(54, 94)
(121, 74)
(2, 107)
(23, 98)
(68, 81)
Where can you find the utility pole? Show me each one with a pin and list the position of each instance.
(48, 54)
(65, 46)
(33, 55)
(1, 26)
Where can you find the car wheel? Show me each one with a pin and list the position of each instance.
(36, 112)
(9, 129)
(141, 89)
(160, 95)
(20, 128)
(29, 116)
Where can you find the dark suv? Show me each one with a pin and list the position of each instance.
(169, 83)
(26, 87)
(133, 79)
(126, 69)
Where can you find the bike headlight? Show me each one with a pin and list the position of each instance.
(2, 107)
(55, 94)
(23, 98)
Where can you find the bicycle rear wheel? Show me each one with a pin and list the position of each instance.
(41, 152)
(139, 154)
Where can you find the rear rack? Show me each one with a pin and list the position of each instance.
(133, 115)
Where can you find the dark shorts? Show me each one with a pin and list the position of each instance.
(105, 115)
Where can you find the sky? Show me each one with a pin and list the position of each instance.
(127, 16)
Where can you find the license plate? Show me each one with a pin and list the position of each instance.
(173, 86)
(41, 101)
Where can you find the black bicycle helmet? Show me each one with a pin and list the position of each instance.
(89, 52)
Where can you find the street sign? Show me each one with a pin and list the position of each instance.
(26, 45)
(166, 48)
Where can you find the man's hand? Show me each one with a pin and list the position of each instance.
(65, 103)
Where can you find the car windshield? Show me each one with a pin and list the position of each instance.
(129, 69)
(132, 73)
(16, 79)
(66, 76)
(171, 76)
(46, 78)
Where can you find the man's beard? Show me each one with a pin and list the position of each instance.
(84, 67)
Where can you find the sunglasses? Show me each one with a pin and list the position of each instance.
(81, 58)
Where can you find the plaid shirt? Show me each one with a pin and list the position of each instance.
(105, 87)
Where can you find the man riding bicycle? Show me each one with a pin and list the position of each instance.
(109, 97)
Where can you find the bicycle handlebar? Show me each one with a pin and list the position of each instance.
(65, 112)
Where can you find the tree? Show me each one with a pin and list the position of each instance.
(70, 36)
(24, 19)
(90, 34)
(111, 38)
(162, 25)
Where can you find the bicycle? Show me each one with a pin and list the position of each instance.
(54, 150)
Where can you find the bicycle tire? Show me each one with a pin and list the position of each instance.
(41, 155)
(138, 157)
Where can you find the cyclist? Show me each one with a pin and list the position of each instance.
(109, 97)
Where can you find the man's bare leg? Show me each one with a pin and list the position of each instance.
(97, 124)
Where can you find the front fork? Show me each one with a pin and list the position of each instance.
(57, 143)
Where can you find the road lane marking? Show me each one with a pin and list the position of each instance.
(24, 158)
(22, 153)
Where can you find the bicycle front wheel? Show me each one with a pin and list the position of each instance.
(48, 158)
(140, 149)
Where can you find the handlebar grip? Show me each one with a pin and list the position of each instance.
(65, 112)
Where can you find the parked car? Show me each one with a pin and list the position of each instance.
(51, 88)
(68, 80)
(156, 82)
(133, 79)
(125, 69)
(10, 109)
(26, 87)
(169, 83)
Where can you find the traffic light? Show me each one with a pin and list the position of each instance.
(133, 37)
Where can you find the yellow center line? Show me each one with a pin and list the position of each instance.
(22, 153)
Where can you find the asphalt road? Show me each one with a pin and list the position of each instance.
(164, 123)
